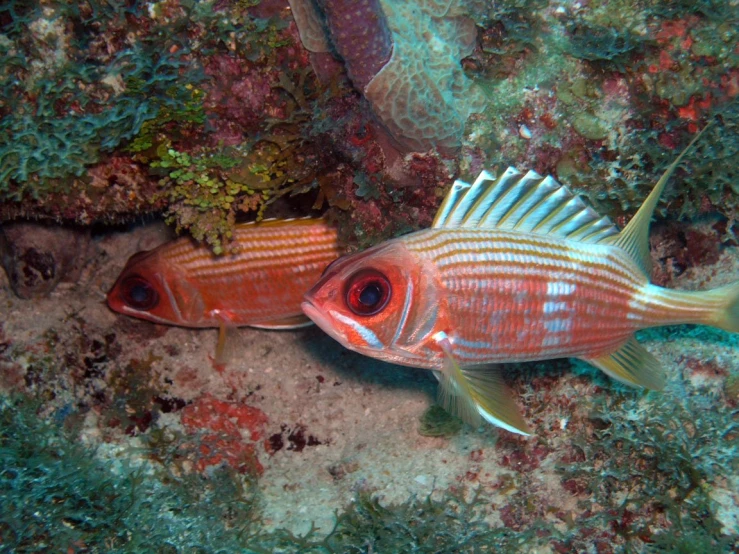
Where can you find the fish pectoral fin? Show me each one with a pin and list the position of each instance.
(633, 365)
(477, 394)
(292, 322)
(224, 346)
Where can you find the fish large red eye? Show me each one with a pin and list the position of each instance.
(138, 293)
(368, 292)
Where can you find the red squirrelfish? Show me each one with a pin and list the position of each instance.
(262, 285)
(513, 269)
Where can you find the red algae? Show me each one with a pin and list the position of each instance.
(226, 444)
(229, 418)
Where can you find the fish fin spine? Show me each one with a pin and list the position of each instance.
(634, 238)
(528, 203)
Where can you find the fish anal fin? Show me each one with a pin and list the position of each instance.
(286, 323)
(634, 239)
(477, 394)
(633, 365)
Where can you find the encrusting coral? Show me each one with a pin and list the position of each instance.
(405, 59)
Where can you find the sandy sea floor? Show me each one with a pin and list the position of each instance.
(338, 423)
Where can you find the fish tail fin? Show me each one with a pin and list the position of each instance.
(717, 307)
(726, 315)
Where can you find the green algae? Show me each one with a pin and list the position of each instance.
(57, 494)
(605, 44)
(437, 422)
(62, 108)
(590, 126)
(657, 454)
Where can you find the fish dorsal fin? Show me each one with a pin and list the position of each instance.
(527, 202)
(634, 239)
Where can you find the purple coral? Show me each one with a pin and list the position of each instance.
(360, 33)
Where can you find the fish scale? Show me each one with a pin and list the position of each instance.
(490, 273)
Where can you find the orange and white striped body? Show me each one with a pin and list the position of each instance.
(512, 297)
(514, 268)
(184, 283)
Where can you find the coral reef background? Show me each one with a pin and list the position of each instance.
(119, 433)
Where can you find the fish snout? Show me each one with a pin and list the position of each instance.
(322, 320)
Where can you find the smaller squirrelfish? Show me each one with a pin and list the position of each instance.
(184, 283)
(513, 269)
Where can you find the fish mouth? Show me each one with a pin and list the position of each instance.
(323, 321)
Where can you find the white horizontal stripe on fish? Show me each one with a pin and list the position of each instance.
(484, 278)
(206, 269)
(451, 242)
(368, 336)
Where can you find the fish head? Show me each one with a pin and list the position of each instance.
(381, 303)
(151, 288)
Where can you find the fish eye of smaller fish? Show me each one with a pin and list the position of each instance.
(368, 292)
(138, 294)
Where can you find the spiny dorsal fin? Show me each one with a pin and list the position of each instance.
(634, 239)
(524, 202)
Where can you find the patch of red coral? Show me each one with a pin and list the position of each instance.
(225, 443)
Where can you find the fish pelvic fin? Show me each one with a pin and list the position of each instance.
(477, 394)
(225, 346)
(634, 238)
(633, 365)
